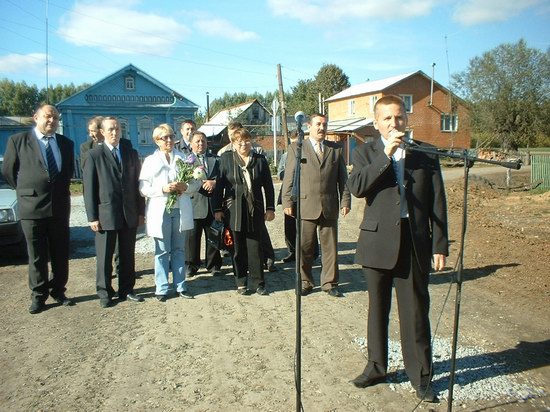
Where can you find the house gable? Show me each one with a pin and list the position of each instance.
(428, 114)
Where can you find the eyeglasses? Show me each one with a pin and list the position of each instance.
(167, 137)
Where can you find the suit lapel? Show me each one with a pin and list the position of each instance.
(34, 146)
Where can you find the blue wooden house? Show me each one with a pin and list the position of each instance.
(138, 101)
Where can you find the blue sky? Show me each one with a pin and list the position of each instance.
(221, 46)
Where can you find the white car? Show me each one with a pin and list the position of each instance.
(10, 224)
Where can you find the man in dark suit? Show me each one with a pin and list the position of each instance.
(187, 129)
(39, 165)
(96, 138)
(202, 210)
(323, 194)
(115, 209)
(404, 227)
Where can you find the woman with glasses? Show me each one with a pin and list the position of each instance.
(169, 228)
(238, 199)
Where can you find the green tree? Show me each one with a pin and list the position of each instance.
(508, 88)
(329, 80)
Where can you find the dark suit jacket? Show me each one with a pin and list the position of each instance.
(322, 187)
(374, 179)
(229, 190)
(202, 199)
(27, 172)
(111, 196)
(89, 144)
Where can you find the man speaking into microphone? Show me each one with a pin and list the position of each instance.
(323, 194)
(404, 230)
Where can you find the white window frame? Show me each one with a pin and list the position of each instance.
(449, 122)
(129, 83)
(145, 130)
(351, 107)
(373, 100)
(123, 125)
(406, 97)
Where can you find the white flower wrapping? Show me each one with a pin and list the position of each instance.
(199, 173)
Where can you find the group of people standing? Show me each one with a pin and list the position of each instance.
(403, 234)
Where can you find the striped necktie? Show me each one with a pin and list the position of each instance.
(53, 171)
(115, 155)
(319, 151)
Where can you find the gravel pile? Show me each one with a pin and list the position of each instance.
(82, 237)
(478, 375)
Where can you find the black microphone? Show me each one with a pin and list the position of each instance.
(299, 117)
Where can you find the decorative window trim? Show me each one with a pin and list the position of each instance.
(129, 83)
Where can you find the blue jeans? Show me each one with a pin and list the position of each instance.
(170, 253)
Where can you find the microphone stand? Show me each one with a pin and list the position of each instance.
(295, 196)
(468, 163)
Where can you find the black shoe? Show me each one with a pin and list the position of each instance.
(426, 394)
(132, 297)
(186, 295)
(363, 381)
(161, 298)
(306, 291)
(270, 265)
(291, 257)
(242, 291)
(262, 291)
(335, 293)
(105, 303)
(191, 271)
(36, 307)
(62, 299)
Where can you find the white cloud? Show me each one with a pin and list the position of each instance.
(31, 63)
(216, 27)
(325, 11)
(115, 27)
(472, 12)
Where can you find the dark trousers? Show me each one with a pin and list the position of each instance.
(248, 259)
(105, 242)
(47, 237)
(328, 234)
(413, 299)
(213, 258)
(266, 245)
(290, 233)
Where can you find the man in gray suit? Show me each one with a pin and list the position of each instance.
(323, 194)
(39, 165)
(115, 209)
(202, 210)
(404, 229)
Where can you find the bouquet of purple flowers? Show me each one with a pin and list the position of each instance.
(185, 171)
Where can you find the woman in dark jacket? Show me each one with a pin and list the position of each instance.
(238, 199)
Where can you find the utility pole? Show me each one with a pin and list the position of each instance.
(283, 105)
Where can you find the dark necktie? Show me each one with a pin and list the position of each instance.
(50, 158)
(115, 155)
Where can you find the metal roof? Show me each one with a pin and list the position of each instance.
(348, 125)
(369, 87)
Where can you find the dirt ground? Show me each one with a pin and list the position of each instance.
(226, 352)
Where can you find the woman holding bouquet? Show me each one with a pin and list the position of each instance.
(167, 177)
(239, 199)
